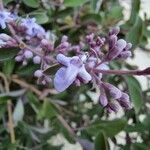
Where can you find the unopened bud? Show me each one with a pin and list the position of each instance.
(38, 73)
(37, 59)
(103, 100)
(113, 91)
(115, 31)
(28, 54)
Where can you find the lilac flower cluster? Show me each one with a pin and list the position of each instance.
(84, 67)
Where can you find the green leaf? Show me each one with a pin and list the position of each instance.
(7, 53)
(27, 70)
(7, 1)
(139, 146)
(52, 69)
(8, 67)
(134, 11)
(146, 122)
(96, 4)
(135, 92)
(16, 93)
(32, 3)
(101, 141)
(140, 128)
(113, 15)
(135, 33)
(18, 112)
(96, 18)
(74, 3)
(41, 16)
(111, 128)
(47, 110)
(34, 102)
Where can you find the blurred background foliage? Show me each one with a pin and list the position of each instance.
(39, 114)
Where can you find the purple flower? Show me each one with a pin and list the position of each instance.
(103, 98)
(124, 101)
(4, 18)
(7, 41)
(33, 29)
(116, 48)
(113, 91)
(73, 69)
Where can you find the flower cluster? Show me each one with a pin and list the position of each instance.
(82, 68)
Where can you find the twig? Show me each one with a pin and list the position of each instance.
(9, 108)
(28, 86)
(61, 119)
(11, 124)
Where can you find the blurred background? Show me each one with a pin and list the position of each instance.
(73, 120)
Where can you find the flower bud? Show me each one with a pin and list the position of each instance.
(124, 101)
(24, 63)
(118, 48)
(28, 54)
(38, 73)
(128, 46)
(90, 37)
(125, 54)
(115, 31)
(37, 59)
(18, 58)
(112, 41)
(114, 106)
(113, 91)
(103, 99)
(64, 39)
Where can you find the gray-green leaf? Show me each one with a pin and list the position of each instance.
(135, 92)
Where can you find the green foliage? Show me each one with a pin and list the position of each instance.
(73, 3)
(40, 114)
(7, 53)
(41, 16)
(111, 128)
(136, 32)
(101, 141)
(32, 3)
(135, 92)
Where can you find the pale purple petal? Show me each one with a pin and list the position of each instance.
(114, 91)
(63, 59)
(103, 99)
(83, 74)
(64, 78)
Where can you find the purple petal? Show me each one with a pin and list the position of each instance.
(83, 74)
(114, 92)
(124, 101)
(125, 54)
(64, 78)
(103, 100)
(63, 59)
(120, 45)
(112, 41)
